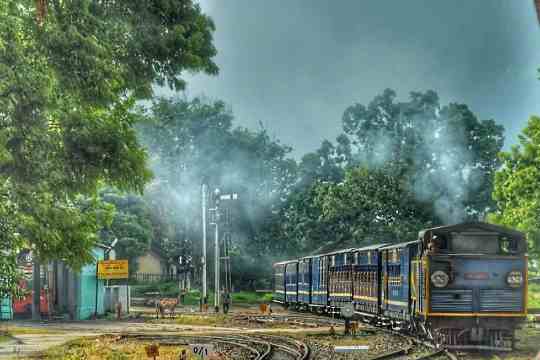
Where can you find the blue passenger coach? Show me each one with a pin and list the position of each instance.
(319, 288)
(366, 279)
(291, 282)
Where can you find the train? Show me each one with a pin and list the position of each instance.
(461, 286)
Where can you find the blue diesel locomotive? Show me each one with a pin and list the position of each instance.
(462, 286)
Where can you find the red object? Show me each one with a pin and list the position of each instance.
(477, 276)
(24, 305)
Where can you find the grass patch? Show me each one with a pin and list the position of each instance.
(4, 338)
(108, 349)
(200, 320)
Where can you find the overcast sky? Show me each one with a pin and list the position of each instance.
(295, 65)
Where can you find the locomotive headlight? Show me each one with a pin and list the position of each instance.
(440, 279)
(514, 278)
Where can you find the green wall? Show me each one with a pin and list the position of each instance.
(87, 289)
(6, 312)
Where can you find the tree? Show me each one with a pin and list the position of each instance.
(131, 225)
(517, 186)
(372, 206)
(446, 153)
(68, 84)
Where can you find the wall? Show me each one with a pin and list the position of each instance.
(150, 263)
(6, 312)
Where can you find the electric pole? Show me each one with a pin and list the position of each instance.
(216, 249)
(217, 252)
(204, 241)
(216, 291)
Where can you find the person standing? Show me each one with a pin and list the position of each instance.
(226, 302)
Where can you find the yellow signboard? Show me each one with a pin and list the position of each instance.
(113, 269)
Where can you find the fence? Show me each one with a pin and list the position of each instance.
(146, 277)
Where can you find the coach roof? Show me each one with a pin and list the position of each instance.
(471, 226)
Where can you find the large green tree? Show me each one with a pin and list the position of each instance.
(70, 73)
(447, 154)
(517, 186)
(372, 206)
(399, 166)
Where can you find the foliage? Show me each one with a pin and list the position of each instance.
(131, 225)
(447, 154)
(68, 84)
(372, 206)
(533, 292)
(397, 168)
(517, 186)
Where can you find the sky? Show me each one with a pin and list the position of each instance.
(295, 65)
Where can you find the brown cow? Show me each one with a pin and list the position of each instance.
(166, 304)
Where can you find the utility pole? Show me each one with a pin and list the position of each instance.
(216, 249)
(216, 293)
(204, 241)
(217, 253)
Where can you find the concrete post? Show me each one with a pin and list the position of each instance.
(36, 290)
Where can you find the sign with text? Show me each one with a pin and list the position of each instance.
(349, 349)
(112, 269)
(476, 276)
(203, 351)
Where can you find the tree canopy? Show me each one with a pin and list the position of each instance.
(68, 83)
(517, 186)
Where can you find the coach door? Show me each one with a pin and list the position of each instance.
(384, 280)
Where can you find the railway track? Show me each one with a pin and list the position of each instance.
(402, 353)
(297, 319)
(259, 347)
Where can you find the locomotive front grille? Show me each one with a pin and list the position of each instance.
(452, 300)
(501, 300)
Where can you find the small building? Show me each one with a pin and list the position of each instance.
(75, 293)
(65, 293)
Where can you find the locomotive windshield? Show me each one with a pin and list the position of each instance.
(481, 243)
(475, 243)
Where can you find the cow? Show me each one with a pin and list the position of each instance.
(166, 304)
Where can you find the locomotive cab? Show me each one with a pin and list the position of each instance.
(472, 285)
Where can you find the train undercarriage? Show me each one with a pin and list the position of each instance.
(453, 333)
